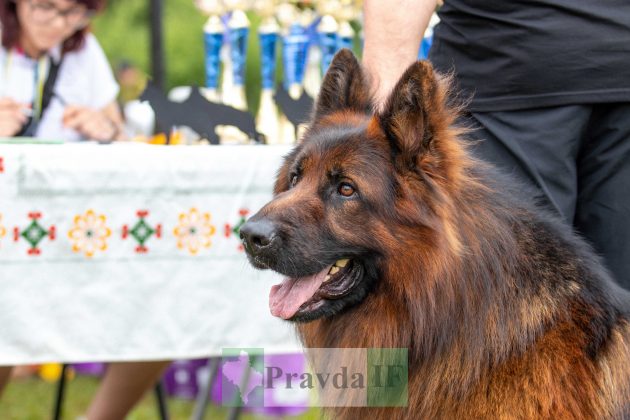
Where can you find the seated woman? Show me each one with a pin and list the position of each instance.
(56, 83)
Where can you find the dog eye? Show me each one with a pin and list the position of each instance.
(345, 189)
(294, 180)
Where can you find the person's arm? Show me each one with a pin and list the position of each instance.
(112, 111)
(99, 117)
(104, 124)
(393, 32)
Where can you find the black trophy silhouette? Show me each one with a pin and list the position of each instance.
(198, 113)
(297, 111)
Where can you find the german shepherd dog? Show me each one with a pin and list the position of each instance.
(390, 234)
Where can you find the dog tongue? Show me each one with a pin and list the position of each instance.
(287, 297)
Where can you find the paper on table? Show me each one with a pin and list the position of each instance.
(28, 140)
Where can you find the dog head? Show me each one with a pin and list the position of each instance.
(358, 189)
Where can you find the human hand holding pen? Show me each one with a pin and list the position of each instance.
(13, 115)
(91, 123)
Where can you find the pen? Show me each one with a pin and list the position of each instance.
(60, 99)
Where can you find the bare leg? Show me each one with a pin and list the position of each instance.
(122, 387)
(5, 375)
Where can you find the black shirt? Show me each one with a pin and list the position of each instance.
(518, 54)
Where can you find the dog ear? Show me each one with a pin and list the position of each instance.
(413, 114)
(343, 88)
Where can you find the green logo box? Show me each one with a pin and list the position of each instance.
(387, 377)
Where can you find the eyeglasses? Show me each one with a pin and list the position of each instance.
(44, 12)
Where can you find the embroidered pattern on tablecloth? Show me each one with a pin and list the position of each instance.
(230, 230)
(3, 230)
(194, 231)
(142, 231)
(35, 233)
(89, 233)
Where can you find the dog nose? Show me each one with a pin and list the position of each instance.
(259, 236)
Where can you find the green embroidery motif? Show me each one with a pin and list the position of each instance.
(34, 233)
(142, 232)
(235, 230)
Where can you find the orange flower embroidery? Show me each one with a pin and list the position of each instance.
(3, 230)
(89, 233)
(194, 231)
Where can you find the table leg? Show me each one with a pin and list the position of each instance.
(61, 385)
(161, 401)
(235, 411)
(201, 401)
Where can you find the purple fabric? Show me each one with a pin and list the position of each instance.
(183, 377)
(90, 368)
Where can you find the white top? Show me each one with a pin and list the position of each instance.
(85, 79)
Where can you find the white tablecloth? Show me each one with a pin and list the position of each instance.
(127, 252)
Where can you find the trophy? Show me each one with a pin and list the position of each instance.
(427, 39)
(238, 31)
(313, 73)
(213, 39)
(327, 30)
(345, 14)
(267, 121)
(234, 92)
(295, 45)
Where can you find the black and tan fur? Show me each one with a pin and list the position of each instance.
(507, 313)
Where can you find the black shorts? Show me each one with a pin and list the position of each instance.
(578, 156)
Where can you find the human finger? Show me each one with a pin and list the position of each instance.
(10, 104)
(76, 118)
(9, 128)
(69, 112)
(99, 128)
(12, 114)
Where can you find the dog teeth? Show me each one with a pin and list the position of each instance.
(336, 268)
(342, 263)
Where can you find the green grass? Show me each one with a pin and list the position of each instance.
(33, 399)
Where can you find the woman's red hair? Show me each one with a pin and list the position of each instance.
(11, 25)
